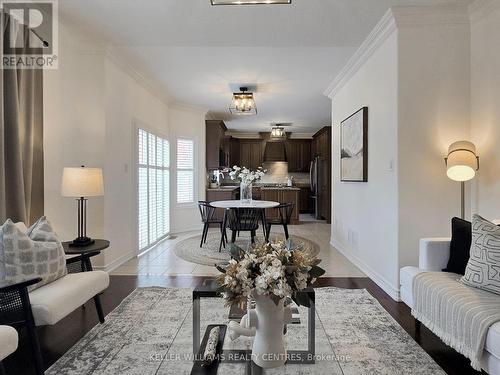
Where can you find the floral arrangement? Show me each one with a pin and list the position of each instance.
(278, 270)
(245, 175)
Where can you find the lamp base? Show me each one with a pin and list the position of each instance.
(81, 242)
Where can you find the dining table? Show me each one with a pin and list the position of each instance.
(254, 204)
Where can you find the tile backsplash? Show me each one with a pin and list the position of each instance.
(277, 172)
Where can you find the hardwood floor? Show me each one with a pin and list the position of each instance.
(58, 339)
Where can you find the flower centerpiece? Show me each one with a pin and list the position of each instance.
(246, 177)
(269, 274)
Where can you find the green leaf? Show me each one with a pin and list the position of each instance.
(316, 272)
(220, 268)
(237, 252)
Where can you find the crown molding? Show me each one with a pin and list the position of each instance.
(384, 28)
(182, 106)
(119, 61)
(395, 18)
(481, 8)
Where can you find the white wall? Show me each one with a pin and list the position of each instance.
(485, 107)
(416, 84)
(433, 106)
(74, 129)
(364, 224)
(190, 124)
(127, 103)
(92, 104)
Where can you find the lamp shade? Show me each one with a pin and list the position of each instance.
(82, 182)
(462, 162)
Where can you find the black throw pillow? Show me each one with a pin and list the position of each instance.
(461, 238)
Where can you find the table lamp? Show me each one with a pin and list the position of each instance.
(461, 165)
(81, 183)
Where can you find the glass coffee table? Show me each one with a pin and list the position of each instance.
(295, 356)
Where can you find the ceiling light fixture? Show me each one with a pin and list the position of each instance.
(249, 2)
(243, 103)
(278, 131)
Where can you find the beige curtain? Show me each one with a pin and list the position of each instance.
(21, 140)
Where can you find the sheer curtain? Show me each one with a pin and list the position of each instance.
(21, 139)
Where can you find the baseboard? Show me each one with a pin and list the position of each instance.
(116, 263)
(375, 276)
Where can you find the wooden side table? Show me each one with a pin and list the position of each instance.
(84, 253)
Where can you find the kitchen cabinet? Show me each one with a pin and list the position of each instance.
(213, 195)
(234, 152)
(298, 152)
(305, 204)
(215, 144)
(282, 196)
(251, 153)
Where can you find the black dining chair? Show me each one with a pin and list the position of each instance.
(243, 220)
(207, 213)
(284, 218)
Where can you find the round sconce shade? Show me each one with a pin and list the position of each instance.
(82, 182)
(462, 162)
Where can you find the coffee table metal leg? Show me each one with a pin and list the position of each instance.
(311, 325)
(196, 325)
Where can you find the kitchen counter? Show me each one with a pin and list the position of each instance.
(288, 188)
(227, 188)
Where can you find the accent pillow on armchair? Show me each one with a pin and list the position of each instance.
(483, 268)
(38, 255)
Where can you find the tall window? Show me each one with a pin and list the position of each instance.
(185, 171)
(153, 188)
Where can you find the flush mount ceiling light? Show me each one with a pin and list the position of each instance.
(243, 103)
(278, 131)
(249, 2)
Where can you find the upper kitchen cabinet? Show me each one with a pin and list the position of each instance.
(298, 153)
(251, 153)
(217, 154)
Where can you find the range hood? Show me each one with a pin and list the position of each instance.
(275, 151)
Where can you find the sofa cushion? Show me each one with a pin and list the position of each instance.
(8, 341)
(483, 268)
(461, 237)
(406, 276)
(24, 257)
(54, 301)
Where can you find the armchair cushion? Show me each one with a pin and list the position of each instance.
(39, 254)
(434, 254)
(8, 341)
(54, 301)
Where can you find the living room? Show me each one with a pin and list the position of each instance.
(193, 134)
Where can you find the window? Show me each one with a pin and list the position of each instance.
(185, 171)
(153, 177)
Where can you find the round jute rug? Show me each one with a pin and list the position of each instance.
(189, 248)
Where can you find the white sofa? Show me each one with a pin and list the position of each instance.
(433, 256)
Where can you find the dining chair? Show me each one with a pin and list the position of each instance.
(243, 220)
(284, 218)
(208, 217)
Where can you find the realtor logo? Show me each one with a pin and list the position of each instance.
(30, 33)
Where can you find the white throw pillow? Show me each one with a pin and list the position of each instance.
(39, 255)
(483, 268)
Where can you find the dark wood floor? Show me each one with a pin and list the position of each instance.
(56, 340)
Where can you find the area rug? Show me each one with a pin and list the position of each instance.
(150, 333)
(190, 250)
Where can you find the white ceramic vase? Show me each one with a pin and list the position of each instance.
(268, 349)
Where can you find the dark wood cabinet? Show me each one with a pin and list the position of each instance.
(234, 152)
(282, 196)
(213, 195)
(305, 201)
(216, 155)
(251, 153)
(298, 153)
